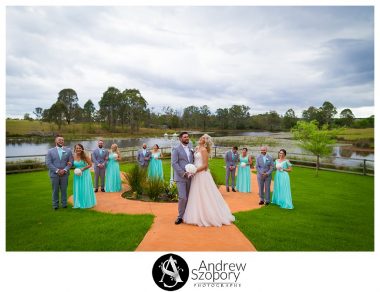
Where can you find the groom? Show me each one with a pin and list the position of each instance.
(59, 160)
(181, 156)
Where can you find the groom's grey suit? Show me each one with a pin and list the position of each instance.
(179, 161)
(54, 163)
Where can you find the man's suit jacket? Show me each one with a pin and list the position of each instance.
(141, 157)
(231, 161)
(99, 158)
(266, 166)
(179, 161)
(54, 163)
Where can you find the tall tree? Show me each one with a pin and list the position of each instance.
(205, 113)
(347, 117)
(108, 106)
(273, 121)
(222, 117)
(327, 113)
(38, 112)
(89, 111)
(290, 119)
(137, 106)
(310, 114)
(27, 117)
(191, 116)
(57, 113)
(238, 115)
(69, 98)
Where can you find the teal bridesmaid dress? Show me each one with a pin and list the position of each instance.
(113, 180)
(243, 184)
(83, 190)
(155, 166)
(282, 194)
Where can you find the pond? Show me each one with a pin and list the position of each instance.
(22, 147)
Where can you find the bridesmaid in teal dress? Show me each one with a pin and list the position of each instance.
(83, 190)
(113, 180)
(155, 164)
(243, 184)
(282, 194)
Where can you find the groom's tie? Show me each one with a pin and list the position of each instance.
(60, 152)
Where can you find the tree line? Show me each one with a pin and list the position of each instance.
(129, 110)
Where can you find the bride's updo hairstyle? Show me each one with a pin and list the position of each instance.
(208, 142)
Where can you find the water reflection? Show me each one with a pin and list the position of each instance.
(40, 146)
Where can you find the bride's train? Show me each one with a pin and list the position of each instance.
(206, 206)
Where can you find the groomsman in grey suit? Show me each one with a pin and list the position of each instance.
(99, 158)
(232, 159)
(143, 156)
(264, 167)
(181, 156)
(59, 160)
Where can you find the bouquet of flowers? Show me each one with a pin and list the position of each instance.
(115, 155)
(78, 171)
(243, 164)
(191, 168)
(279, 167)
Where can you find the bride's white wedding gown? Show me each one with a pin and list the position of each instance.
(205, 205)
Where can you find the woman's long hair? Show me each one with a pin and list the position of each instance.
(208, 142)
(116, 149)
(82, 154)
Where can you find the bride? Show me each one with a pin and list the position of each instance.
(205, 206)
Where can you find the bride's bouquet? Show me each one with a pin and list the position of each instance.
(191, 168)
(77, 171)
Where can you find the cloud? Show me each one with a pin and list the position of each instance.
(269, 58)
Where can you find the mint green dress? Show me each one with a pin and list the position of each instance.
(113, 180)
(83, 190)
(282, 194)
(155, 166)
(243, 184)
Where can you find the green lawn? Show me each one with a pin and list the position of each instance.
(32, 224)
(333, 212)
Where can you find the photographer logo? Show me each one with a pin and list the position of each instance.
(170, 272)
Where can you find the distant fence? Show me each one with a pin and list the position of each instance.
(28, 163)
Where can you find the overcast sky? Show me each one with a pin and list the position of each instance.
(269, 58)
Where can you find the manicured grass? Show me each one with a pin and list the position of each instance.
(333, 212)
(32, 224)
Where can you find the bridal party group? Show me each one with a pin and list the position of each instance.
(105, 163)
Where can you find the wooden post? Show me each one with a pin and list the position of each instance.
(317, 166)
(214, 152)
(364, 167)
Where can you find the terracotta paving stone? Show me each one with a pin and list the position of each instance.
(164, 235)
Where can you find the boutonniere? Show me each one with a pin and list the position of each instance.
(192, 150)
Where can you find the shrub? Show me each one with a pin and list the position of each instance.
(171, 191)
(136, 179)
(154, 188)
